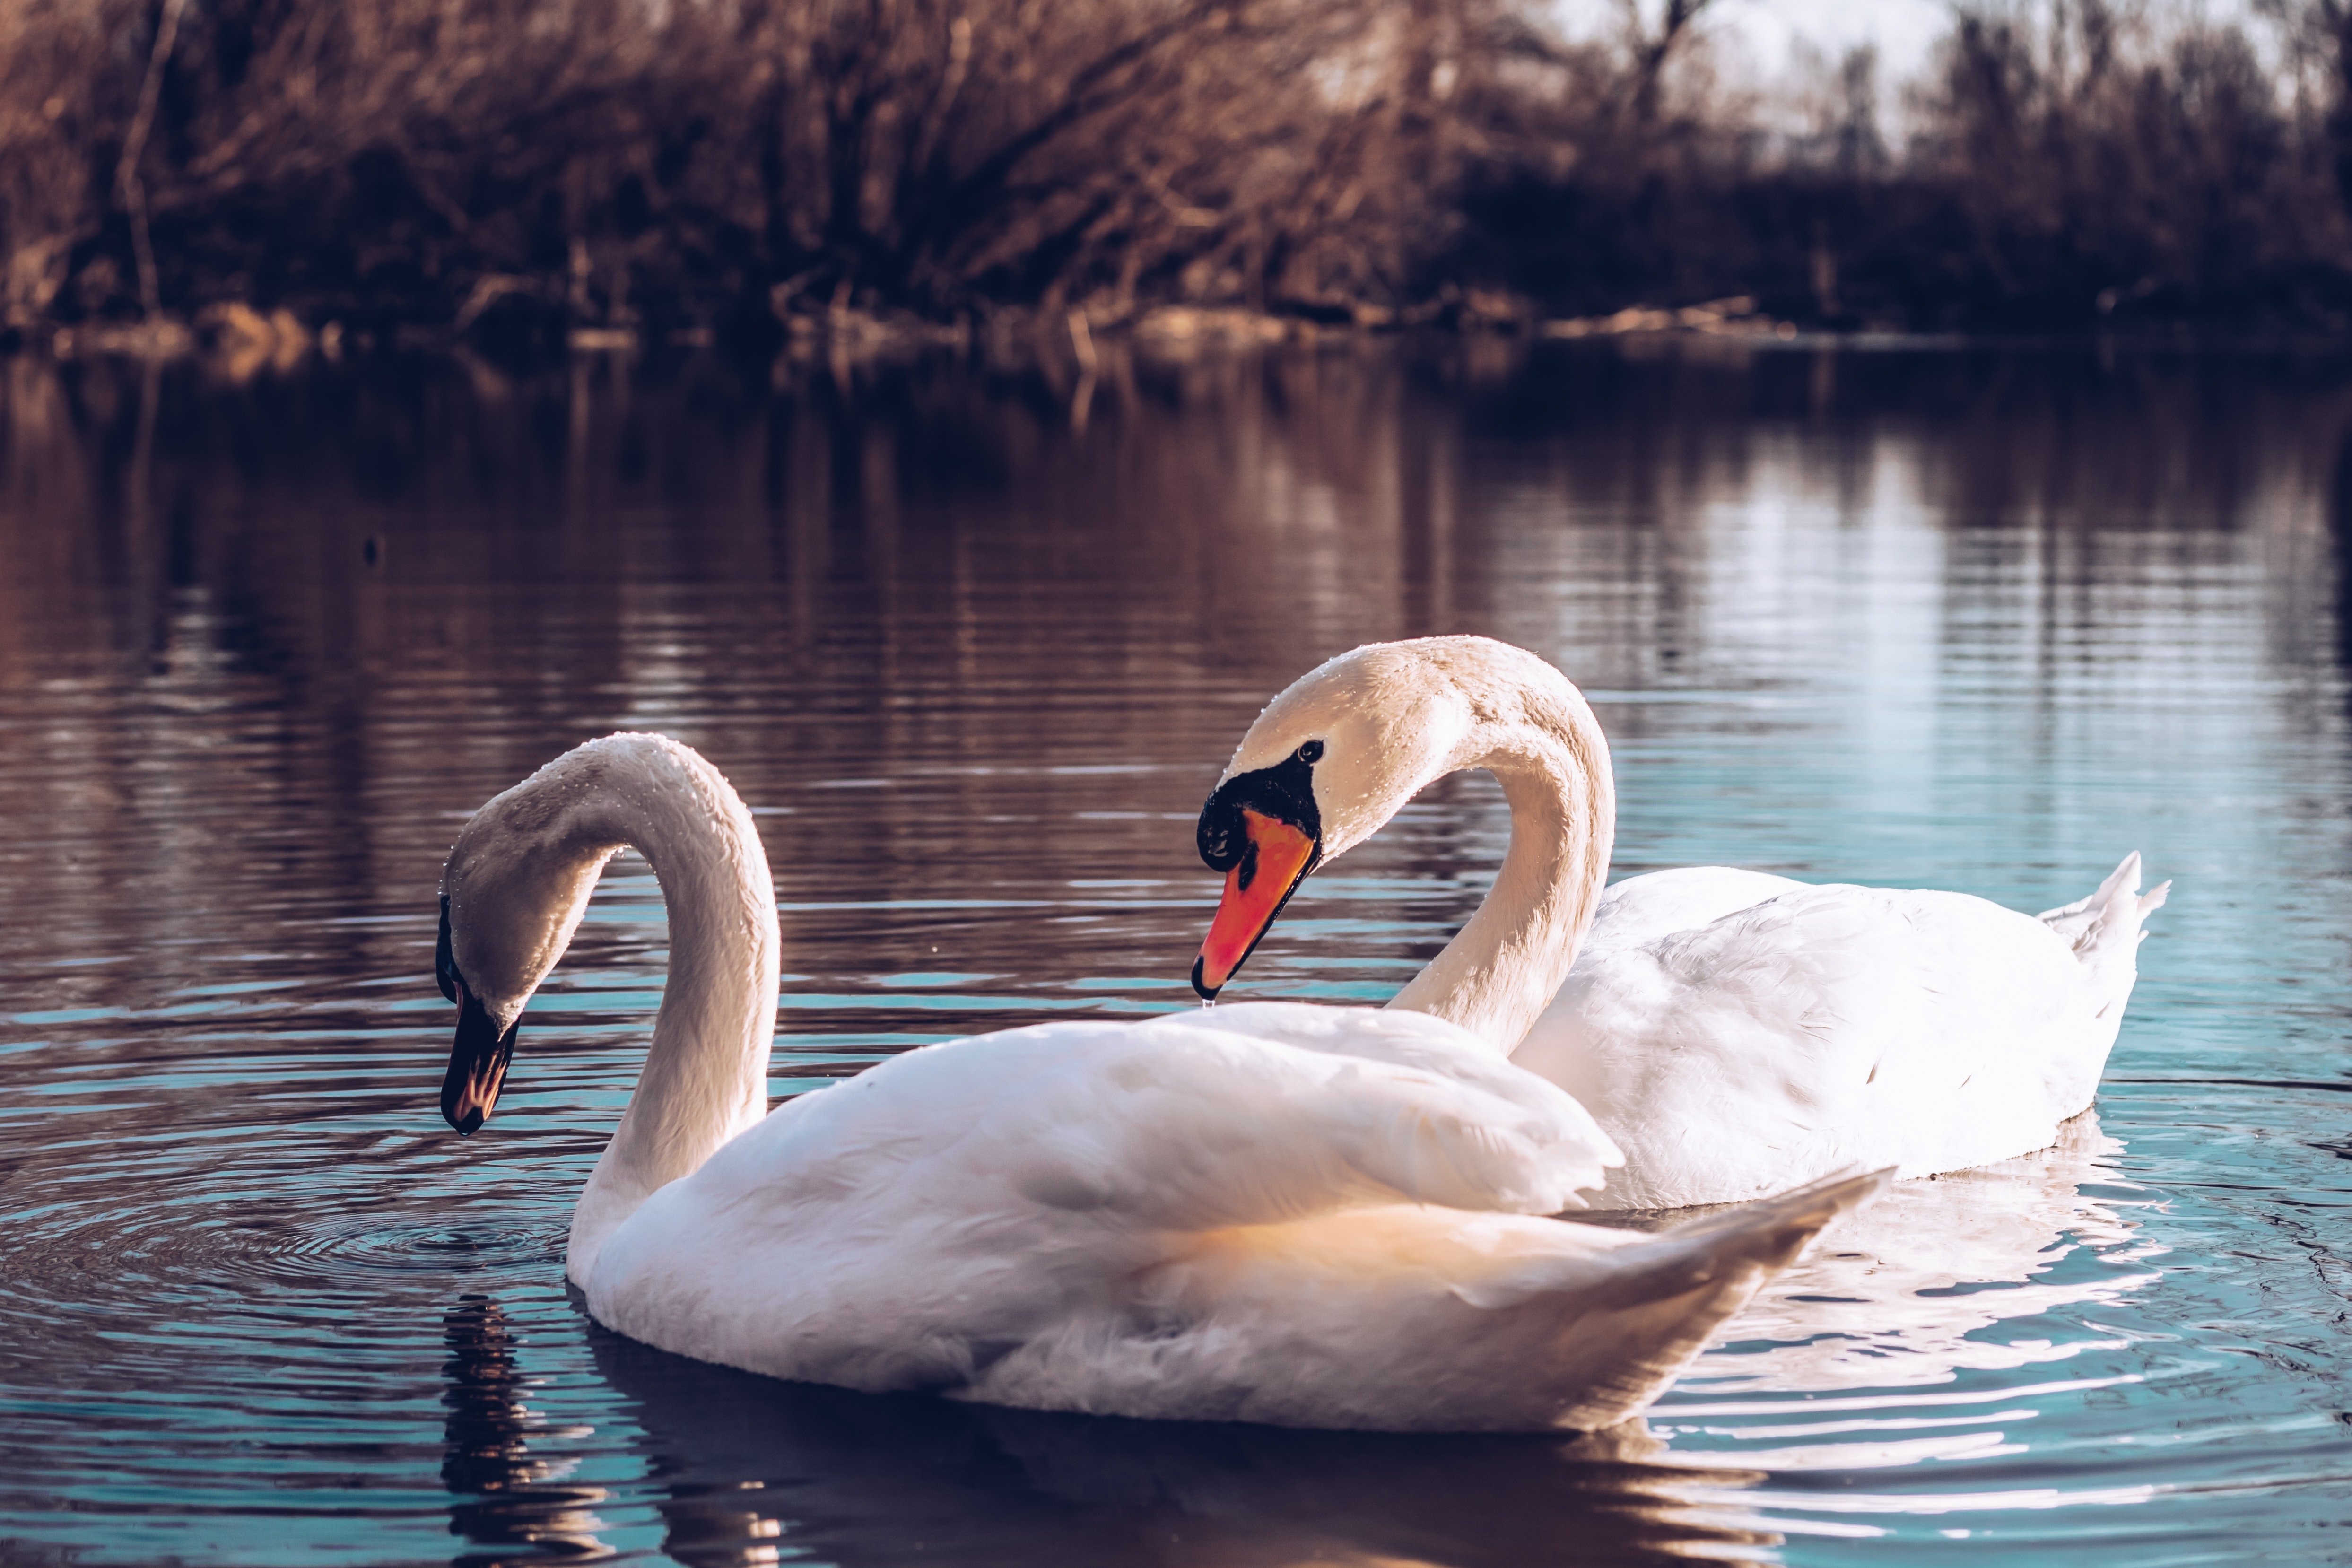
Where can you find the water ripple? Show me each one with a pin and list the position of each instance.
(1964, 620)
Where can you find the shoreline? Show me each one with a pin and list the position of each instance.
(240, 341)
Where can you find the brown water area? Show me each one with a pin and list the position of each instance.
(974, 642)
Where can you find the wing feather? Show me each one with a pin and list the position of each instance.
(1827, 1026)
(1244, 1115)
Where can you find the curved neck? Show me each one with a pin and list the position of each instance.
(1502, 969)
(706, 1078)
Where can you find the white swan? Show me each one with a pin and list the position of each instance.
(1299, 1216)
(1735, 1033)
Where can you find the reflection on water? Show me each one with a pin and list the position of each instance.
(512, 1498)
(752, 1469)
(867, 1482)
(1902, 1295)
(1971, 620)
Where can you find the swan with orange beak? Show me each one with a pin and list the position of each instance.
(1737, 1033)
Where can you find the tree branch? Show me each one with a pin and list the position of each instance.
(134, 142)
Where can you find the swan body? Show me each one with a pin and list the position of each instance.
(1734, 1032)
(1273, 1213)
(1823, 1024)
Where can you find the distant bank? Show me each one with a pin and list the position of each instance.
(271, 177)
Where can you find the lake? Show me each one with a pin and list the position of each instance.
(974, 638)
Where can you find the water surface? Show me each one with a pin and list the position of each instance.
(974, 641)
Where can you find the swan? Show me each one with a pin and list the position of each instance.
(1295, 1216)
(1735, 1033)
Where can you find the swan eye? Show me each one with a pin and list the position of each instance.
(1311, 752)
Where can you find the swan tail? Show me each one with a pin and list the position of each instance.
(1772, 1231)
(1752, 1240)
(2106, 929)
(2070, 919)
(2090, 920)
(1615, 1341)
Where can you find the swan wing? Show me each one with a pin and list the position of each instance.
(1409, 1318)
(1658, 904)
(1240, 1115)
(1827, 1026)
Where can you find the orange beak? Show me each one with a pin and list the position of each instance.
(1278, 858)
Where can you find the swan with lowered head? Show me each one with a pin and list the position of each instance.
(1735, 1033)
(1299, 1216)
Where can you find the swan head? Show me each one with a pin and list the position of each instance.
(512, 893)
(1334, 756)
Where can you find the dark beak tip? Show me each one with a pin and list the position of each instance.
(477, 1068)
(1207, 993)
(464, 1120)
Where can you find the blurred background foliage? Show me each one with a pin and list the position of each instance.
(540, 166)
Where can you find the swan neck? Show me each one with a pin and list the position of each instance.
(705, 1078)
(1503, 968)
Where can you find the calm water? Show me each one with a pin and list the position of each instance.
(1977, 621)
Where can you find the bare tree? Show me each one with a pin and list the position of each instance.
(1652, 46)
